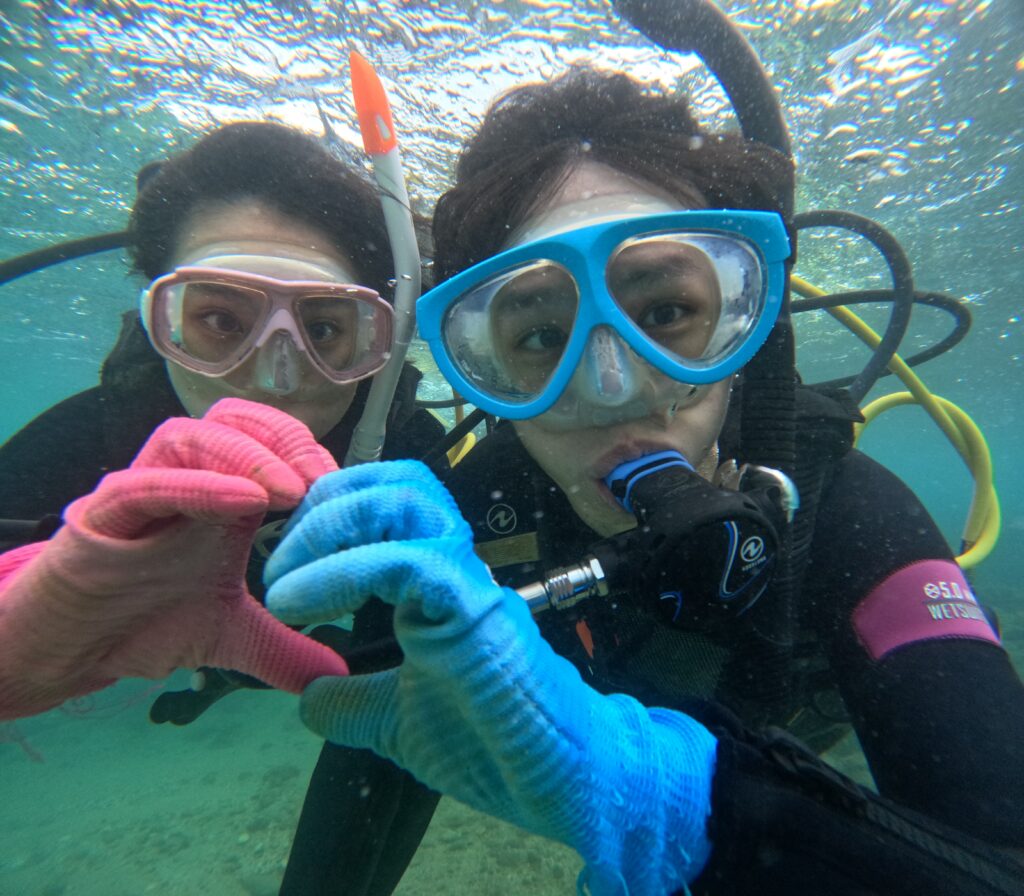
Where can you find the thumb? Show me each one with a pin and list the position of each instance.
(254, 642)
(355, 712)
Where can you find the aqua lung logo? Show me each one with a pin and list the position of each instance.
(501, 519)
(752, 549)
(675, 598)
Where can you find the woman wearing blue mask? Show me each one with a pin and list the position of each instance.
(613, 287)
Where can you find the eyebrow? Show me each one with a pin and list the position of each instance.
(523, 290)
(226, 290)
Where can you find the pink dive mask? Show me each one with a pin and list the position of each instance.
(212, 319)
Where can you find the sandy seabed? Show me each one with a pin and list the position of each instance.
(97, 801)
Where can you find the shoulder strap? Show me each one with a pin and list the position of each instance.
(825, 418)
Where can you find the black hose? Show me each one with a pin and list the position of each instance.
(698, 26)
(18, 530)
(15, 533)
(902, 288)
(58, 252)
(958, 310)
(452, 437)
(441, 404)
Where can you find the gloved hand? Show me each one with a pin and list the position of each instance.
(148, 572)
(482, 708)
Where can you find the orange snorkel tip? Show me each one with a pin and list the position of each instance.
(372, 107)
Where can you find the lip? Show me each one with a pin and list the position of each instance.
(625, 451)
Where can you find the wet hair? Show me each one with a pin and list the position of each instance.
(276, 166)
(533, 136)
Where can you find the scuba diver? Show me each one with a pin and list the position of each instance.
(580, 200)
(715, 446)
(613, 285)
(267, 260)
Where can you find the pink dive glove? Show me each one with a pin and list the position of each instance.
(148, 572)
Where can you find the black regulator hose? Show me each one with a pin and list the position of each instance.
(30, 262)
(698, 26)
(451, 438)
(959, 311)
(441, 403)
(902, 296)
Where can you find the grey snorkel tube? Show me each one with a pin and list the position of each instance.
(381, 144)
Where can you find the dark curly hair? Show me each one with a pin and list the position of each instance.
(283, 168)
(532, 137)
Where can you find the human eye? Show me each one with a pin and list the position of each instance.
(219, 310)
(323, 331)
(328, 321)
(219, 322)
(665, 314)
(542, 339)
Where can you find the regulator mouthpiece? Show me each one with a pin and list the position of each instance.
(625, 476)
(702, 554)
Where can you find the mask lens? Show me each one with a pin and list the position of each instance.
(508, 334)
(212, 322)
(695, 296)
(211, 325)
(335, 329)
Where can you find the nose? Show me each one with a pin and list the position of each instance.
(608, 374)
(614, 385)
(278, 367)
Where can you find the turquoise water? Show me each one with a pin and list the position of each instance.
(911, 113)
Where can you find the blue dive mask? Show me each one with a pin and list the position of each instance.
(691, 294)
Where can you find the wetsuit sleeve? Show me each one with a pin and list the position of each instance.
(935, 700)
(65, 451)
(784, 822)
(56, 458)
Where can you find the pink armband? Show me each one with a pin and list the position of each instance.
(924, 601)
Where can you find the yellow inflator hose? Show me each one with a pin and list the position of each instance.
(983, 520)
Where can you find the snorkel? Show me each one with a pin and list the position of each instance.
(381, 145)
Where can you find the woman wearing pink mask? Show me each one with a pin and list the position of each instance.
(267, 267)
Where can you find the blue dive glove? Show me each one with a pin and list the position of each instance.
(482, 708)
